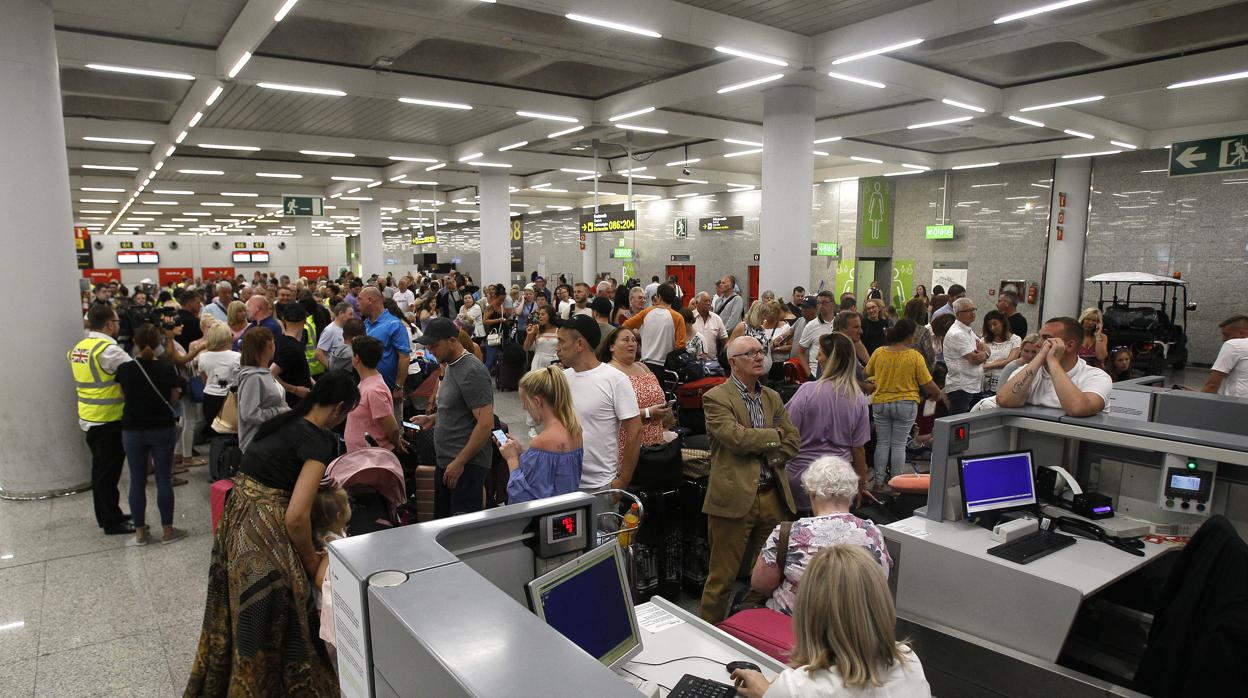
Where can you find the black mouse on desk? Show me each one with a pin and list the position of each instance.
(733, 666)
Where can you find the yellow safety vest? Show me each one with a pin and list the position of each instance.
(99, 396)
(315, 367)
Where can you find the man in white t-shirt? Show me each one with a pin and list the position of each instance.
(1056, 377)
(1230, 370)
(404, 296)
(331, 336)
(965, 354)
(808, 343)
(708, 325)
(651, 289)
(604, 401)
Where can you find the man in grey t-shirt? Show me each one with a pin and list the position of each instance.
(462, 424)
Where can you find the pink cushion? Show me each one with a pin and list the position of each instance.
(216, 499)
(911, 483)
(767, 631)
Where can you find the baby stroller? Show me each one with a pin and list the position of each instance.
(374, 480)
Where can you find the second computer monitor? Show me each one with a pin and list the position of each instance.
(996, 482)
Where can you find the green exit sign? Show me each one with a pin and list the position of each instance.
(940, 232)
(827, 249)
(621, 253)
(302, 205)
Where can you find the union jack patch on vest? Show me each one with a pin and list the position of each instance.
(80, 356)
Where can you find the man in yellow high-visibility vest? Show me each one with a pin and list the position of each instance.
(94, 361)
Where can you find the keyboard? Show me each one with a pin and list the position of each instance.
(1032, 547)
(691, 686)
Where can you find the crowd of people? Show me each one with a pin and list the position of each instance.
(300, 371)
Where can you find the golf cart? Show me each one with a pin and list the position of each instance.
(1147, 323)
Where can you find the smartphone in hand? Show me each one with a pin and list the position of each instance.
(413, 427)
(500, 437)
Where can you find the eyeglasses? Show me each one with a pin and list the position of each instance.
(751, 354)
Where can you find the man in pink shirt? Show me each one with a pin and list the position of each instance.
(374, 415)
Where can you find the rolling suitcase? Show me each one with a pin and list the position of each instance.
(510, 367)
(689, 398)
(695, 542)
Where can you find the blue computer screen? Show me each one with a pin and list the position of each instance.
(590, 609)
(997, 482)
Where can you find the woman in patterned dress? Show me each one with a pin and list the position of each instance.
(619, 349)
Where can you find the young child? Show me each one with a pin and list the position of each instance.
(331, 511)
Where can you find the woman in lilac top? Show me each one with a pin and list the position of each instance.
(552, 464)
(832, 414)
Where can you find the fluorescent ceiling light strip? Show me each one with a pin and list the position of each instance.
(877, 51)
(513, 146)
(614, 25)
(404, 158)
(181, 137)
(1090, 155)
(327, 153)
(626, 115)
(820, 153)
(341, 178)
(644, 129)
(739, 153)
(634, 169)
(470, 158)
(1065, 103)
(161, 203)
(923, 168)
(140, 71)
(420, 184)
(240, 194)
(862, 159)
(285, 9)
(438, 166)
(639, 176)
(128, 141)
(942, 122)
(693, 181)
(218, 146)
(202, 172)
(749, 83)
(976, 165)
(170, 150)
(677, 163)
(860, 81)
(279, 175)
(435, 103)
(284, 87)
(569, 170)
(1120, 144)
(1029, 122)
(1078, 134)
(199, 115)
(752, 56)
(1207, 81)
(900, 173)
(98, 201)
(478, 163)
(1037, 10)
(219, 204)
(116, 168)
(735, 141)
(548, 117)
(833, 139)
(212, 98)
(238, 65)
(686, 196)
(963, 105)
(565, 132)
(105, 189)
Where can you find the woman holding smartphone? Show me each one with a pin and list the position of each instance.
(552, 464)
(1094, 348)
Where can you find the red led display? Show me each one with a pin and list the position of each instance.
(565, 527)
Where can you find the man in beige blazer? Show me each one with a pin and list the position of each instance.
(748, 493)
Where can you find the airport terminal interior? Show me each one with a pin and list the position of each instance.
(508, 348)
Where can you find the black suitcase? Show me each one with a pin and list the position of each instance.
(510, 367)
(224, 457)
(695, 542)
(657, 549)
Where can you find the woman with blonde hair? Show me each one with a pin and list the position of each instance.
(763, 322)
(1094, 348)
(236, 318)
(552, 464)
(215, 366)
(845, 637)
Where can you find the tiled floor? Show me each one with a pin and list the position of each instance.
(81, 614)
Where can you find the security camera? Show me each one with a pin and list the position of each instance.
(685, 171)
(173, 245)
(216, 245)
(281, 245)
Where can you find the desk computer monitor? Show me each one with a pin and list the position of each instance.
(588, 601)
(995, 483)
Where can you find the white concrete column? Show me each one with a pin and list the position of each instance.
(42, 451)
(303, 228)
(788, 196)
(495, 207)
(372, 257)
(1063, 272)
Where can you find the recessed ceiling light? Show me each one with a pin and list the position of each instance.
(1120, 144)
(644, 129)
(405, 158)
(218, 146)
(195, 119)
(860, 81)
(877, 51)
(693, 181)
(212, 98)
(98, 201)
(677, 163)
(301, 88)
(94, 210)
(435, 103)
(170, 150)
(285, 8)
(181, 137)
(626, 115)
(341, 178)
(279, 175)
(1077, 134)
(859, 158)
(1089, 155)
(1029, 122)
(127, 141)
(752, 56)
(735, 141)
(900, 173)
(240, 194)
(357, 198)
(238, 65)
(327, 153)
(1207, 81)
(749, 83)
(1064, 103)
(1037, 10)
(548, 117)
(963, 105)
(202, 172)
(161, 203)
(976, 165)
(570, 170)
(479, 163)
(116, 168)
(613, 25)
(419, 183)
(438, 166)
(471, 157)
(219, 204)
(565, 132)
(942, 122)
(513, 146)
(140, 71)
(923, 168)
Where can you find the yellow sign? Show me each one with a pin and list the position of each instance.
(612, 222)
(422, 239)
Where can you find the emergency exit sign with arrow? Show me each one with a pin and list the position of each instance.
(1209, 156)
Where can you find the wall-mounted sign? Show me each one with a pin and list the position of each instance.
(258, 245)
(423, 238)
(682, 227)
(517, 244)
(147, 245)
(1209, 156)
(240, 245)
(127, 245)
(137, 257)
(621, 253)
(250, 257)
(102, 276)
(939, 232)
(721, 223)
(827, 249)
(82, 246)
(680, 258)
(174, 275)
(609, 222)
(226, 273)
(302, 205)
(757, 257)
(313, 273)
(875, 212)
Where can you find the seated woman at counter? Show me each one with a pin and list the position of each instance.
(552, 464)
(845, 637)
(832, 484)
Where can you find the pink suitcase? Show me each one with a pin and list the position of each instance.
(216, 499)
(767, 631)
